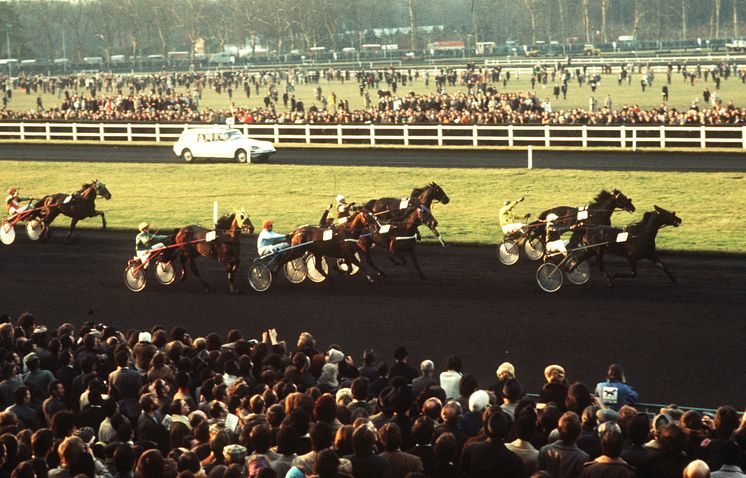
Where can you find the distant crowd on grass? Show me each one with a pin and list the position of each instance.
(156, 98)
(98, 401)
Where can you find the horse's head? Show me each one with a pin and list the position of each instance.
(101, 189)
(242, 220)
(668, 218)
(620, 201)
(439, 194)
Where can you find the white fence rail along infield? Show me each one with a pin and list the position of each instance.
(579, 136)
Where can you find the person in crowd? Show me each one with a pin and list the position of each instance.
(610, 462)
(563, 459)
(614, 392)
(451, 377)
(426, 379)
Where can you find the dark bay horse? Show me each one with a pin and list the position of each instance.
(386, 208)
(599, 209)
(225, 248)
(640, 243)
(344, 242)
(401, 237)
(80, 205)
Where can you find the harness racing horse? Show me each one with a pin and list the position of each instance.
(401, 237)
(80, 205)
(640, 244)
(344, 242)
(599, 209)
(386, 208)
(225, 248)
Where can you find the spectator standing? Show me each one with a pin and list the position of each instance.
(401, 463)
(614, 392)
(427, 379)
(609, 464)
(401, 367)
(450, 379)
(555, 390)
(563, 459)
(491, 458)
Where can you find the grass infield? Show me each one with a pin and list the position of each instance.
(710, 204)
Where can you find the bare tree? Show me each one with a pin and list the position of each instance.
(684, 19)
(604, 10)
(715, 19)
(531, 9)
(412, 25)
(586, 20)
(735, 19)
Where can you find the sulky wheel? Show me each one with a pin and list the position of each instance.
(260, 277)
(134, 278)
(534, 248)
(508, 252)
(7, 233)
(580, 274)
(350, 269)
(295, 270)
(34, 228)
(313, 274)
(549, 277)
(164, 273)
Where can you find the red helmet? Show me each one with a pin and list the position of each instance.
(267, 224)
(12, 190)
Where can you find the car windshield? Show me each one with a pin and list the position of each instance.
(232, 135)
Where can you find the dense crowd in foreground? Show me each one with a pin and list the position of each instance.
(103, 402)
(175, 98)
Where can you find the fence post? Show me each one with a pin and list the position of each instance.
(339, 133)
(101, 131)
(277, 133)
(702, 137)
(623, 134)
(510, 135)
(440, 134)
(23, 130)
(406, 135)
(157, 132)
(308, 134)
(547, 137)
(743, 137)
(372, 135)
(663, 136)
(585, 135)
(634, 139)
(530, 157)
(129, 132)
(474, 135)
(75, 131)
(48, 132)
(215, 213)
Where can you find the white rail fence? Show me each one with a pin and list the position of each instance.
(631, 137)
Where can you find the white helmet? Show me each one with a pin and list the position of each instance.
(340, 198)
(551, 217)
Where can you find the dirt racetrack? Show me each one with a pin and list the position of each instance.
(678, 343)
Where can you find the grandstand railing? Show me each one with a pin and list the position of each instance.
(582, 136)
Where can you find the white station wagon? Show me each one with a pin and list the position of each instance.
(221, 143)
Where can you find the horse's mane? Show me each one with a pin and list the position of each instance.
(601, 197)
(225, 221)
(638, 225)
(417, 191)
(85, 186)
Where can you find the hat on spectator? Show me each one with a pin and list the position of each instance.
(335, 356)
(607, 415)
(552, 370)
(386, 398)
(660, 421)
(234, 453)
(86, 434)
(505, 367)
(478, 401)
(144, 337)
(343, 393)
(403, 399)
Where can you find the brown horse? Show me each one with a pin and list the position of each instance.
(80, 205)
(343, 242)
(225, 248)
(388, 208)
(401, 237)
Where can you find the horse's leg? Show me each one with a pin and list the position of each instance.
(352, 260)
(183, 260)
(394, 254)
(193, 266)
(600, 256)
(660, 264)
(317, 264)
(73, 223)
(103, 218)
(369, 261)
(416, 263)
(632, 267)
(231, 273)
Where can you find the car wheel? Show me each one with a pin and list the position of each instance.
(241, 156)
(187, 156)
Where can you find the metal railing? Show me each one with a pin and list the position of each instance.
(579, 136)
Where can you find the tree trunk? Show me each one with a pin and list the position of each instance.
(562, 20)
(604, 9)
(530, 7)
(715, 19)
(684, 19)
(412, 26)
(586, 21)
(637, 18)
(735, 19)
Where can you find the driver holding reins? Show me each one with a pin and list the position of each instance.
(508, 221)
(341, 210)
(147, 241)
(13, 201)
(269, 241)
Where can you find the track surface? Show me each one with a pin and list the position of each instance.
(435, 158)
(678, 344)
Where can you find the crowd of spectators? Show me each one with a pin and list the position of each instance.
(103, 402)
(175, 97)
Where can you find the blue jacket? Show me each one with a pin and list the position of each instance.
(615, 394)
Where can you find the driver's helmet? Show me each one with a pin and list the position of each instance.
(142, 226)
(551, 217)
(507, 201)
(12, 190)
(341, 199)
